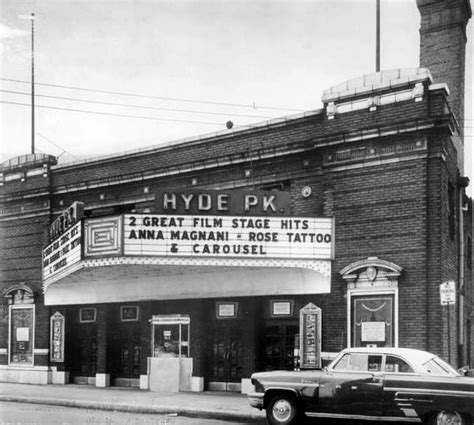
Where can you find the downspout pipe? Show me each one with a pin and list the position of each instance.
(463, 182)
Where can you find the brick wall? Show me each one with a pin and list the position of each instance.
(443, 50)
(388, 195)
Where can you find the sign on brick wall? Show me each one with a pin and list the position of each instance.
(63, 252)
(447, 292)
(66, 219)
(229, 236)
(230, 202)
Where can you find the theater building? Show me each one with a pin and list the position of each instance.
(199, 262)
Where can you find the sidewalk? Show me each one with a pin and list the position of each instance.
(213, 405)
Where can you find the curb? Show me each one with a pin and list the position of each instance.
(128, 408)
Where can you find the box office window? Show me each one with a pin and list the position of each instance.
(21, 335)
(372, 321)
(170, 335)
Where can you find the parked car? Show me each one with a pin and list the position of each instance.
(373, 384)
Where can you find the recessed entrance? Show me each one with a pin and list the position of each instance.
(82, 353)
(123, 355)
(281, 344)
(226, 357)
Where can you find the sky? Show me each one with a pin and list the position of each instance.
(118, 75)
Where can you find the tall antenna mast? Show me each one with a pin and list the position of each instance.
(377, 38)
(32, 83)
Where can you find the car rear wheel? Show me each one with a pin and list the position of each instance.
(281, 410)
(448, 417)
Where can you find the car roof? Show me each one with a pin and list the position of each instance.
(417, 356)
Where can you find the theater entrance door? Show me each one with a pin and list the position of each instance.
(82, 355)
(123, 355)
(225, 357)
(281, 344)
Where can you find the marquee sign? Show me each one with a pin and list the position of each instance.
(66, 219)
(228, 236)
(63, 252)
(230, 202)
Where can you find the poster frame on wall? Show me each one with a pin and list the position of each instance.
(310, 337)
(354, 293)
(57, 331)
(31, 337)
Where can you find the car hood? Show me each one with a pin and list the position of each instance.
(279, 375)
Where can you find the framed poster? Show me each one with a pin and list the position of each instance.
(226, 310)
(281, 308)
(372, 320)
(57, 325)
(129, 313)
(310, 337)
(21, 334)
(373, 331)
(87, 315)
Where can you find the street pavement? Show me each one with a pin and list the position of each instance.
(39, 414)
(212, 405)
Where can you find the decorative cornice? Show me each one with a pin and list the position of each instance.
(370, 262)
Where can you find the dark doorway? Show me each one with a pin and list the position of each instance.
(226, 357)
(123, 355)
(81, 353)
(281, 345)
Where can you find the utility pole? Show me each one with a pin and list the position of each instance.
(377, 37)
(32, 83)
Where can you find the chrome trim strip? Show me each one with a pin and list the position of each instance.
(255, 400)
(362, 417)
(255, 395)
(291, 385)
(411, 400)
(419, 391)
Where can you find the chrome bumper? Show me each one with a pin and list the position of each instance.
(256, 400)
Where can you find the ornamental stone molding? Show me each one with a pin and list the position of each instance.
(371, 273)
(19, 293)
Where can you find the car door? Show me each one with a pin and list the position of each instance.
(400, 378)
(353, 387)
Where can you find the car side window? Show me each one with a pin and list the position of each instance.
(375, 364)
(360, 362)
(343, 363)
(395, 364)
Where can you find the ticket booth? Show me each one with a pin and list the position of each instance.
(170, 368)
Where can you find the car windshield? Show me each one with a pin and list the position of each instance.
(438, 367)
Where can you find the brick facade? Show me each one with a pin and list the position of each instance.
(390, 178)
(443, 50)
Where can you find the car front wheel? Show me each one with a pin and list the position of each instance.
(281, 410)
(447, 417)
